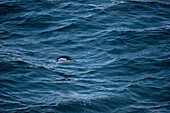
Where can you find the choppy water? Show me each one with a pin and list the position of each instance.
(121, 48)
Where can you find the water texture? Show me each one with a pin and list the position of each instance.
(121, 48)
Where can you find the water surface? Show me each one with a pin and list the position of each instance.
(121, 48)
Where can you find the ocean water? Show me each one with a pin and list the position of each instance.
(121, 49)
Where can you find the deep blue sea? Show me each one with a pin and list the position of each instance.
(121, 49)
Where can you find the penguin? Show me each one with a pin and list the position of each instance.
(65, 58)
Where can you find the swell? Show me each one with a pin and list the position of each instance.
(163, 2)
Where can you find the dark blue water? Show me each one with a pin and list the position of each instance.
(121, 48)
